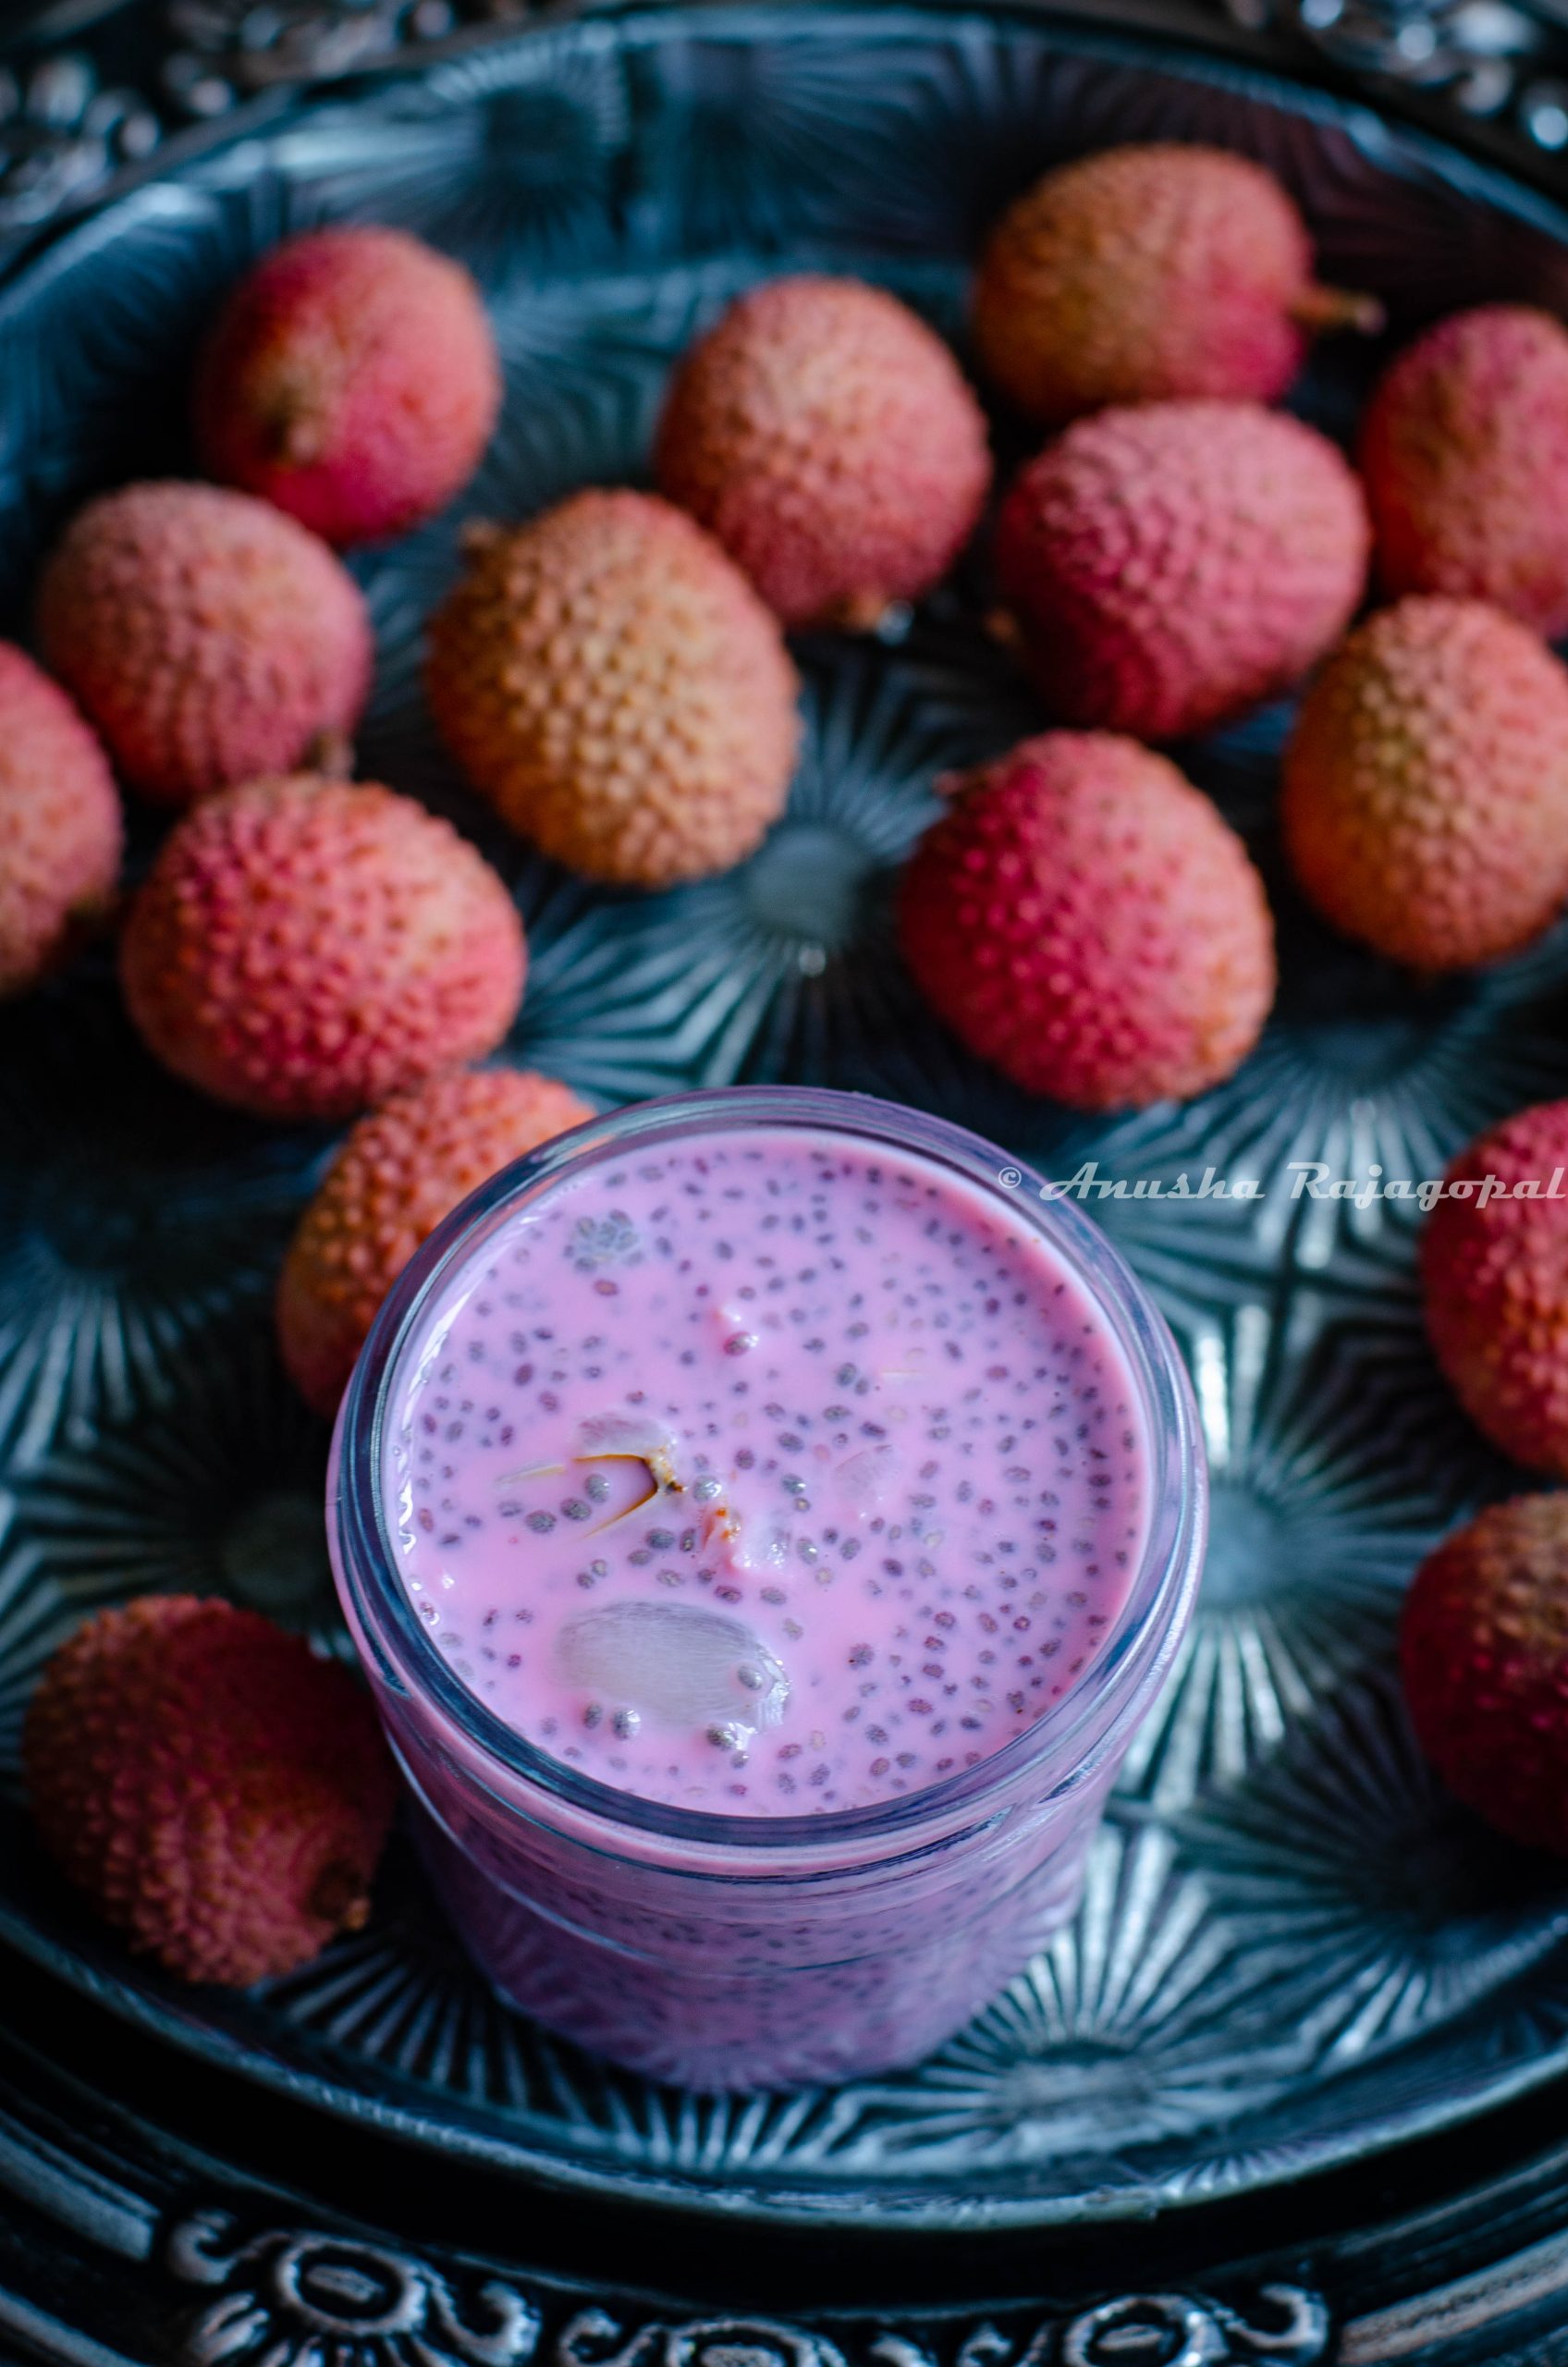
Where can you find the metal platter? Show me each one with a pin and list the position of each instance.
(1291, 1950)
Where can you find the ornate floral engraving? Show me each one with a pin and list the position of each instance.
(62, 135)
(1178, 2330)
(293, 2298)
(593, 2338)
(63, 138)
(1489, 58)
(228, 49)
(1282, 2325)
(1493, 57)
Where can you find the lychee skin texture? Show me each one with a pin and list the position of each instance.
(401, 1170)
(352, 379)
(1425, 807)
(609, 679)
(302, 947)
(1085, 920)
(220, 1795)
(1168, 568)
(826, 437)
(61, 835)
(1484, 1657)
(209, 638)
(1494, 1288)
(1465, 454)
(1144, 274)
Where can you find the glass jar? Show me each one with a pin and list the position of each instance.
(744, 1951)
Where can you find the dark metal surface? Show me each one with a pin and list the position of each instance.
(153, 2225)
(90, 89)
(1290, 1948)
(182, 2226)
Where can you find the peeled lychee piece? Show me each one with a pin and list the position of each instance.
(1464, 453)
(1085, 919)
(827, 438)
(61, 833)
(219, 1793)
(208, 638)
(401, 1170)
(1151, 274)
(681, 1664)
(1494, 1284)
(1167, 567)
(1484, 1657)
(1425, 802)
(304, 948)
(351, 379)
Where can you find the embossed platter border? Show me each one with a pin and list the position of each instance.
(1290, 1950)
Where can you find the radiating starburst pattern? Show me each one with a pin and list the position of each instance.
(217, 1489)
(1346, 1854)
(787, 963)
(1142, 2011)
(1289, 1948)
(1141, 2015)
(507, 157)
(1336, 1459)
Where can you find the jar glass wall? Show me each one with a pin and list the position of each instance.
(721, 1950)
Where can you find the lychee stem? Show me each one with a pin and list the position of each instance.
(956, 784)
(859, 612)
(1003, 626)
(331, 754)
(338, 1897)
(1321, 310)
(294, 426)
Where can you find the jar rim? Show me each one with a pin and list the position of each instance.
(1059, 1749)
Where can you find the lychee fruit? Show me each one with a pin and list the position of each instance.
(61, 835)
(352, 379)
(304, 947)
(827, 438)
(1484, 1655)
(209, 638)
(399, 1172)
(609, 680)
(1494, 1284)
(1151, 274)
(1465, 454)
(1083, 919)
(220, 1795)
(1165, 569)
(1425, 807)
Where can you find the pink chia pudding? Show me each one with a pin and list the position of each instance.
(759, 1490)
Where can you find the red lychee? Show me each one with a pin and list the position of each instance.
(1083, 919)
(1484, 1656)
(1425, 807)
(220, 1795)
(609, 680)
(303, 947)
(399, 1172)
(1494, 1284)
(826, 437)
(61, 834)
(1465, 454)
(1147, 275)
(1168, 568)
(209, 638)
(352, 379)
